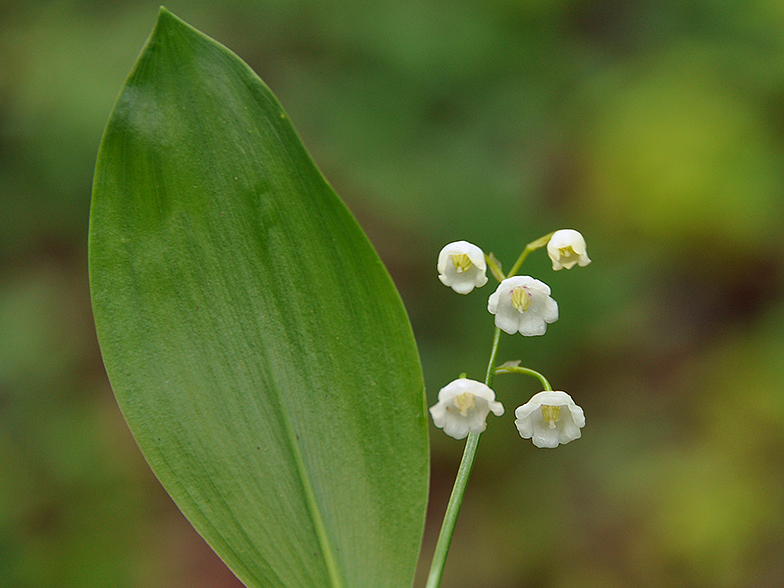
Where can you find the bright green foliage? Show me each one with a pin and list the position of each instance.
(255, 342)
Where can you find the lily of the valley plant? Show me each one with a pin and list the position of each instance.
(520, 304)
(209, 226)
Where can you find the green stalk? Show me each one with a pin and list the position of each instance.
(458, 491)
(515, 369)
(532, 246)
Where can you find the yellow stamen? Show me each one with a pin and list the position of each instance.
(465, 402)
(461, 262)
(551, 414)
(521, 299)
(566, 251)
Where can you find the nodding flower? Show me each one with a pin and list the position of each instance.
(462, 267)
(550, 418)
(523, 305)
(566, 249)
(463, 406)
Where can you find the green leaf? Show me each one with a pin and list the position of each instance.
(256, 344)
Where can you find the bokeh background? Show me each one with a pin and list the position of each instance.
(654, 127)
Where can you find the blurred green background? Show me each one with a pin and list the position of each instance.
(654, 128)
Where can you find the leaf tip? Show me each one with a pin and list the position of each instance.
(168, 23)
(168, 18)
(165, 15)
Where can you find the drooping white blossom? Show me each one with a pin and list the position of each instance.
(550, 418)
(462, 267)
(523, 304)
(566, 249)
(463, 406)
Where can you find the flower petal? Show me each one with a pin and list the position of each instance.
(462, 267)
(566, 248)
(561, 427)
(463, 406)
(529, 317)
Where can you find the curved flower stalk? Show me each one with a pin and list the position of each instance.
(463, 406)
(462, 267)
(566, 249)
(522, 304)
(550, 418)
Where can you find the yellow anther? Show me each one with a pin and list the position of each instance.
(461, 262)
(521, 299)
(566, 251)
(465, 402)
(551, 414)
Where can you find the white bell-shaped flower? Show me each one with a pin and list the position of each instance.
(523, 304)
(463, 406)
(462, 267)
(550, 418)
(566, 249)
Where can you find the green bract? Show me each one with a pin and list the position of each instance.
(256, 345)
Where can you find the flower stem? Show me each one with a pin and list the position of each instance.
(458, 491)
(514, 369)
(532, 246)
(490, 375)
(452, 510)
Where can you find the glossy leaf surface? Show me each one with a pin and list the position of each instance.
(255, 343)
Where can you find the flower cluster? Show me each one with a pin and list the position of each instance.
(520, 304)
